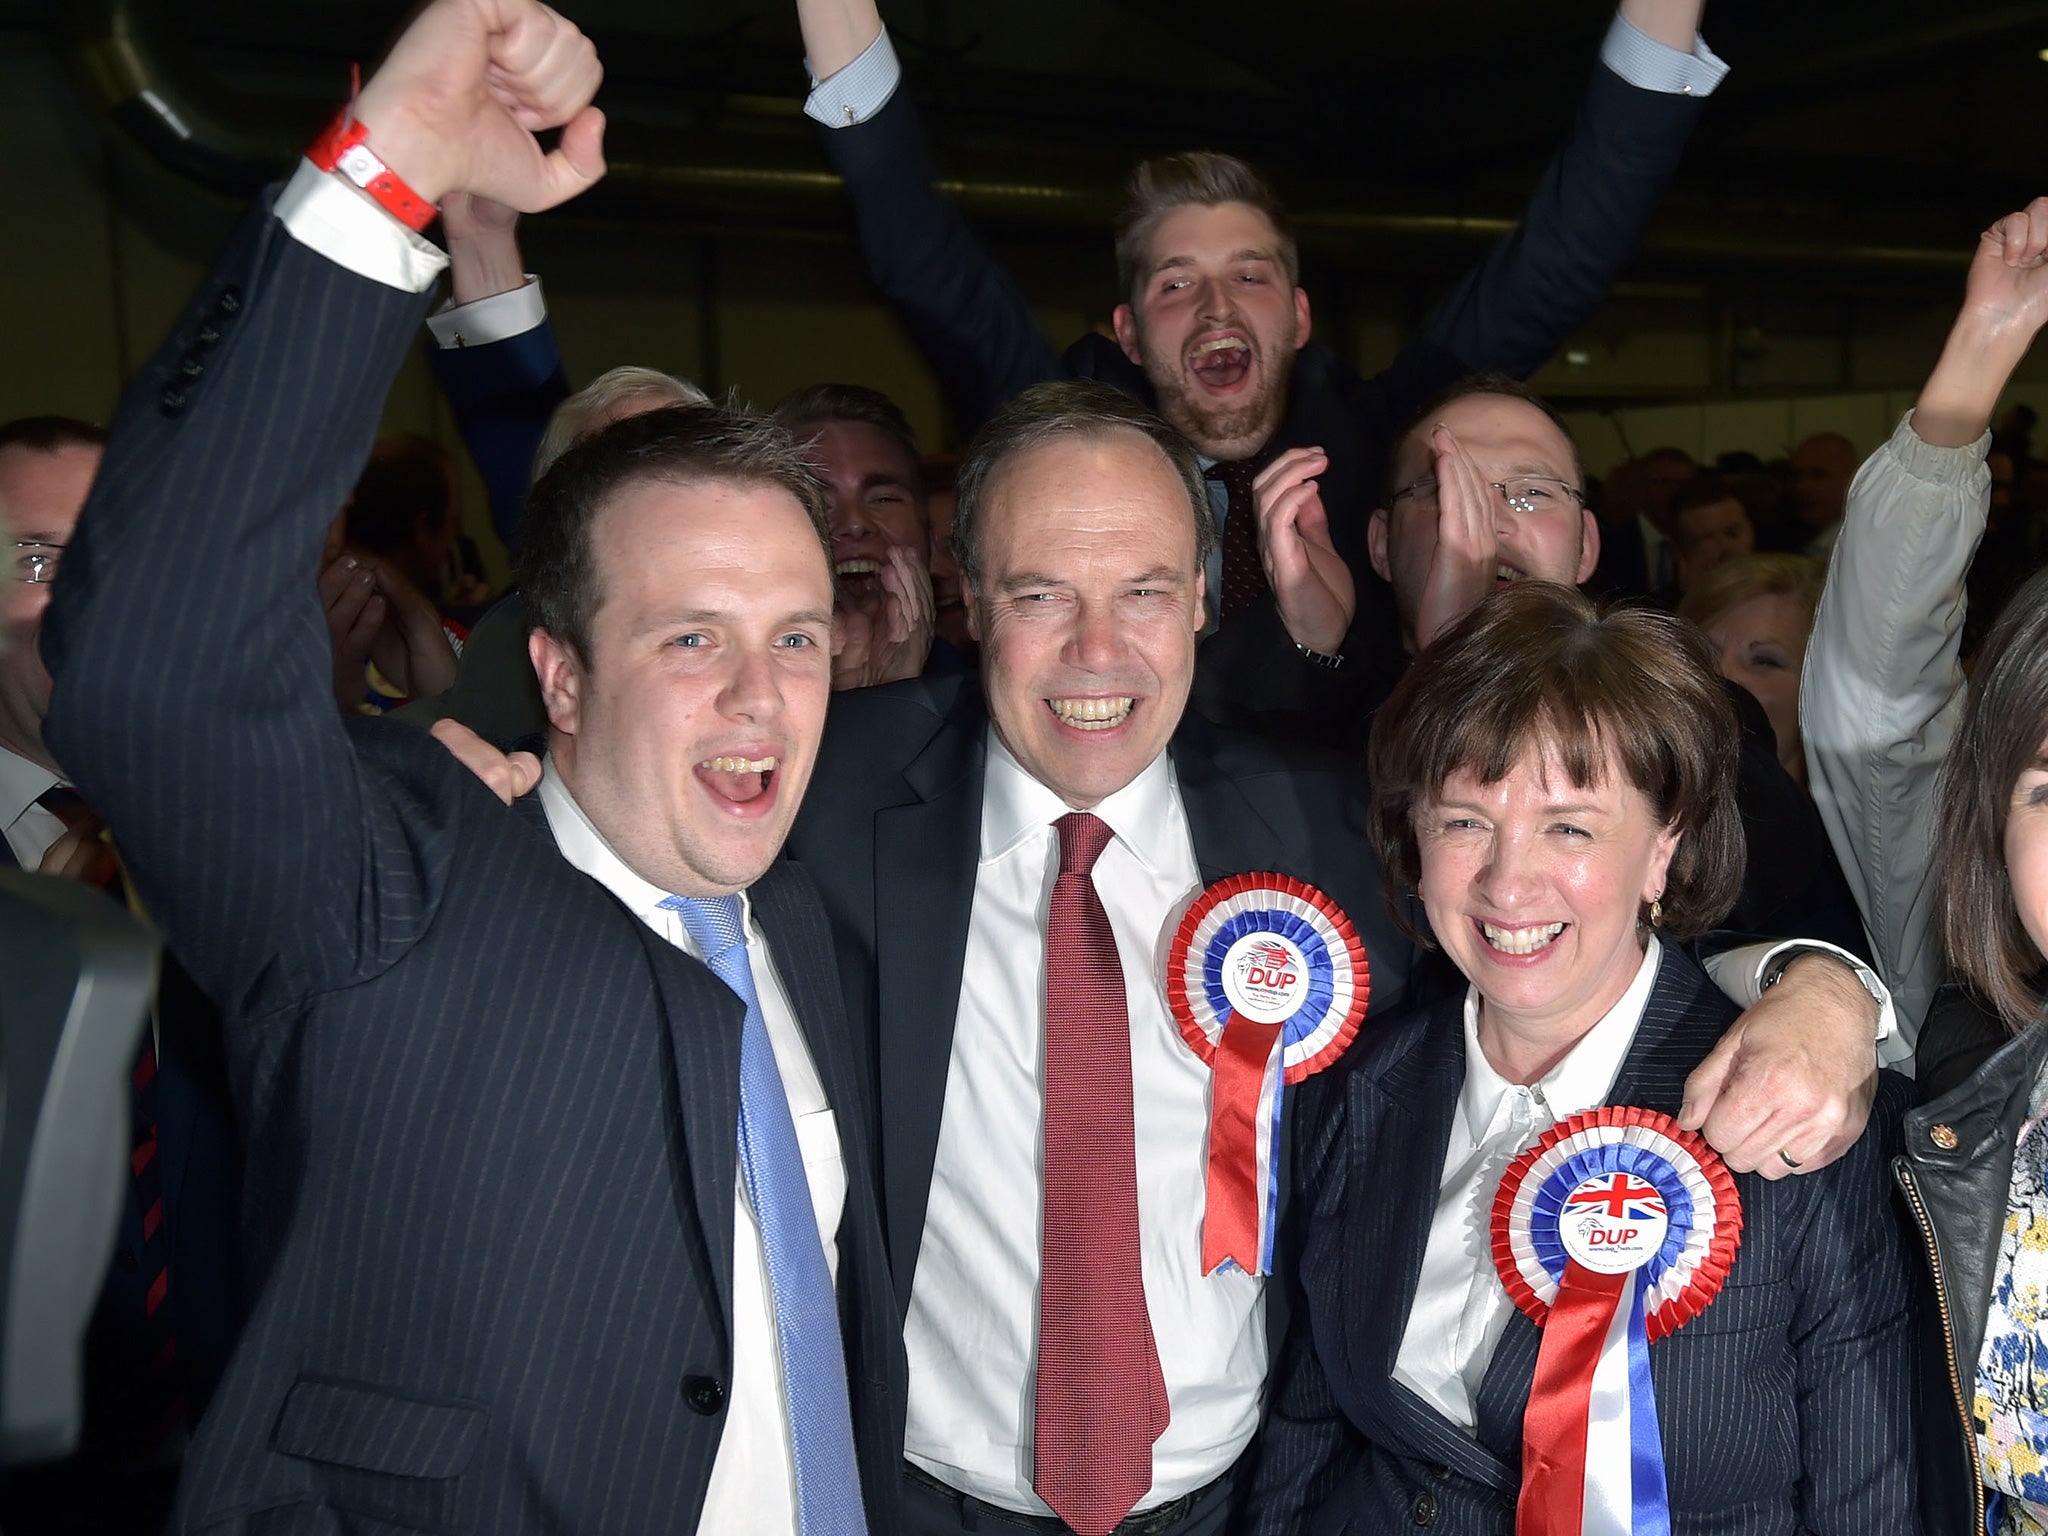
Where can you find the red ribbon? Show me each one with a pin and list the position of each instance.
(1560, 1398)
(1231, 1225)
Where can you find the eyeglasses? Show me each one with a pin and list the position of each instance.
(36, 563)
(1526, 494)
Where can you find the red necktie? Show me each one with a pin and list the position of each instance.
(1244, 574)
(1101, 1400)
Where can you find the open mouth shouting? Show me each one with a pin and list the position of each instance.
(741, 783)
(1519, 943)
(1502, 571)
(858, 579)
(1092, 714)
(1221, 362)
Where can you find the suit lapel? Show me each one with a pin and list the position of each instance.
(1410, 1106)
(925, 853)
(701, 1018)
(1229, 834)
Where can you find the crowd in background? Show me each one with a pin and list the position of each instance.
(746, 1131)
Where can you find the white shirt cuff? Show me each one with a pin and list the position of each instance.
(499, 317)
(857, 92)
(327, 215)
(1653, 66)
(1740, 973)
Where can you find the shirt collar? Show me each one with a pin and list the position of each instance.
(1145, 814)
(21, 784)
(586, 848)
(1583, 1079)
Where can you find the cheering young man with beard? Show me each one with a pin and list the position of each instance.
(1215, 330)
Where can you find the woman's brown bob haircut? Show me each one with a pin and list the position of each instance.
(2004, 721)
(1538, 665)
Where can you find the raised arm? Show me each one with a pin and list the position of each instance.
(192, 697)
(1594, 200)
(494, 352)
(1883, 683)
(967, 315)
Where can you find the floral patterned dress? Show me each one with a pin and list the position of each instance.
(2011, 1407)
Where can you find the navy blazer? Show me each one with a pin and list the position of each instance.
(1785, 1406)
(491, 1117)
(503, 394)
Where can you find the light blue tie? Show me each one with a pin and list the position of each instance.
(806, 1313)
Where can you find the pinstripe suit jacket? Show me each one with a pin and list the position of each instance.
(491, 1117)
(1785, 1406)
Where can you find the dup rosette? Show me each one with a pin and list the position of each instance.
(1268, 981)
(1614, 1229)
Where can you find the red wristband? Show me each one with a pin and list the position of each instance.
(344, 147)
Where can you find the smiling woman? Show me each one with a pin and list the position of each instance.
(1555, 785)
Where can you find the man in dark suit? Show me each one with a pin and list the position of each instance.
(560, 1212)
(940, 835)
(1214, 329)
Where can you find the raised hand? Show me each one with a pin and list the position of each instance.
(2008, 280)
(1467, 555)
(2005, 304)
(483, 247)
(1312, 585)
(456, 104)
(891, 640)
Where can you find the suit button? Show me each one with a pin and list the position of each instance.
(171, 401)
(1423, 1510)
(704, 1394)
(1944, 1137)
(190, 366)
(229, 302)
(205, 337)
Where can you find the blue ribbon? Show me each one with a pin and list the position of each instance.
(1322, 970)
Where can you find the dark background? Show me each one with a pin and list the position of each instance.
(1798, 278)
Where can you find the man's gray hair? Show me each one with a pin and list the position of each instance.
(597, 403)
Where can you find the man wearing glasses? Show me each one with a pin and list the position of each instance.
(46, 467)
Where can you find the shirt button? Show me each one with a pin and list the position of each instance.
(1944, 1137)
(704, 1394)
(1423, 1510)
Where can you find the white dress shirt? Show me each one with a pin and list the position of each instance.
(972, 1332)
(1460, 1307)
(29, 829)
(753, 1478)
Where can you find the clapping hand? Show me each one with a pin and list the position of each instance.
(891, 639)
(1312, 585)
(1467, 555)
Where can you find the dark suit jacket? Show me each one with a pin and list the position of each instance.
(1508, 314)
(491, 1116)
(1785, 1406)
(891, 830)
(502, 394)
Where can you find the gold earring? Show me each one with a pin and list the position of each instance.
(1656, 912)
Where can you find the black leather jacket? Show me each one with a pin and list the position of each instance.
(1956, 1173)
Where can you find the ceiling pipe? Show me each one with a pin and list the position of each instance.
(127, 59)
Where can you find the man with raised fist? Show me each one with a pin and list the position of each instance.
(559, 1210)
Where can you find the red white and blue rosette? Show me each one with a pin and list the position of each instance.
(1614, 1229)
(1268, 980)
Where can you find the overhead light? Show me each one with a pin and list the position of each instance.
(2042, 55)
